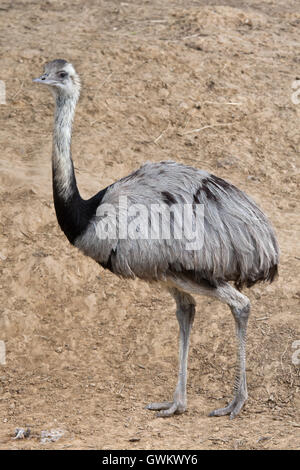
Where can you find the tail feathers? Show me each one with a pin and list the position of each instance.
(270, 276)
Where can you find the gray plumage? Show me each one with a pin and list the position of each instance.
(239, 242)
(234, 241)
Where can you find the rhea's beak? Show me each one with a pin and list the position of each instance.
(43, 79)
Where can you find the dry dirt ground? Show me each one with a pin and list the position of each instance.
(206, 83)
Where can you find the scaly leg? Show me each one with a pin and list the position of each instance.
(240, 387)
(185, 313)
(240, 307)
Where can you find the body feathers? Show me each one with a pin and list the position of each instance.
(239, 243)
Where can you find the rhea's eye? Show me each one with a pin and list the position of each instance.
(62, 74)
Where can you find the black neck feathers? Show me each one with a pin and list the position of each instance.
(75, 213)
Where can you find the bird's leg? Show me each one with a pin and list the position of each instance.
(241, 315)
(240, 307)
(185, 313)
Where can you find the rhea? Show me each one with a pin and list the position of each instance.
(233, 245)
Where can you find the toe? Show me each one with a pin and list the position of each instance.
(223, 411)
(168, 412)
(232, 409)
(159, 406)
(237, 409)
(167, 408)
(175, 408)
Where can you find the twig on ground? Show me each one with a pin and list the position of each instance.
(209, 127)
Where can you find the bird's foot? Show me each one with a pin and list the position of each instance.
(232, 409)
(167, 408)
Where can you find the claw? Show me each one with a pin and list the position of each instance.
(232, 409)
(167, 408)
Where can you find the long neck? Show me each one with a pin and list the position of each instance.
(68, 204)
(64, 181)
(73, 213)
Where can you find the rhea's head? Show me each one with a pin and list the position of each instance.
(62, 79)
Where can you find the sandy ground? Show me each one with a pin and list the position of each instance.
(207, 83)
